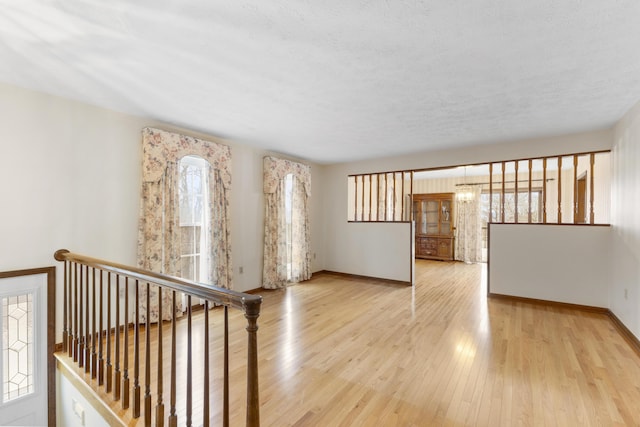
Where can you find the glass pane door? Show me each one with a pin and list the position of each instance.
(432, 216)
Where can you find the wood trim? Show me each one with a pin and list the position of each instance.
(358, 277)
(373, 222)
(544, 191)
(515, 193)
(488, 161)
(529, 207)
(575, 189)
(555, 224)
(633, 341)
(559, 190)
(212, 293)
(549, 303)
(502, 194)
(591, 187)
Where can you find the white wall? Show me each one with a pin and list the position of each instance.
(381, 250)
(72, 408)
(70, 178)
(341, 235)
(625, 220)
(561, 263)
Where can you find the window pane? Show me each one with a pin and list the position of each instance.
(17, 346)
(601, 188)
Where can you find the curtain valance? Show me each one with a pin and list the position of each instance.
(276, 169)
(161, 147)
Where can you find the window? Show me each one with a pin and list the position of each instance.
(193, 216)
(288, 212)
(286, 234)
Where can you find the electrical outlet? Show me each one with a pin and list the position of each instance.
(78, 411)
(241, 270)
(626, 294)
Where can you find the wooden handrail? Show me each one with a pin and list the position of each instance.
(212, 293)
(88, 353)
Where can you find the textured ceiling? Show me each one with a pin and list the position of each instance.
(333, 81)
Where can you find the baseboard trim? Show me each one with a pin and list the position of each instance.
(359, 277)
(631, 339)
(548, 303)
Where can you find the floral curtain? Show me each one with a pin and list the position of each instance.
(159, 224)
(468, 246)
(281, 259)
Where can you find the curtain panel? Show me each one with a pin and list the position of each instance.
(283, 263)
(159, 224)
(468, 246)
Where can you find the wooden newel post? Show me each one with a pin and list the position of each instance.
(252, 312)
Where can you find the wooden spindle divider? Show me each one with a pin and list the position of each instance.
(117, 380)
(94, 361)
(205, 393)
(559, 190)
(87, 331)
(362, 207)
(100, 333)
(515, 193)
(173, 418)
(592, 161)
(575, 189)
(160, 364)
(147, 359)
(544, 190)
(370, 194)
(64, 307)
(136, 355)
(502, 195)
(80, 321)
(225, 401)
(189, 388)
(529, 212)
(109, 373)
(125, 353)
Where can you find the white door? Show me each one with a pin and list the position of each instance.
(23, 350)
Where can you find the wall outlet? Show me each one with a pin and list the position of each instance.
(241, 270)
(626, 294)
(78, 410)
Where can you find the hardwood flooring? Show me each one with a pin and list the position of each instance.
(335, 351)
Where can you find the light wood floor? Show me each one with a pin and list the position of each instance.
(343, 352)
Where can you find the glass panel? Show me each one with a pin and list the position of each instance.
(351, 196)
(581, 205)
(17, 346)
(496, 188)
(567, 181)
(602, 189)
(423, 217)
(551, 205)
(445, 217)
(432, 216)
(523, 191)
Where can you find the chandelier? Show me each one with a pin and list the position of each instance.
(464, 192)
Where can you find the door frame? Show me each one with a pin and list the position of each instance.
(50, 272)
